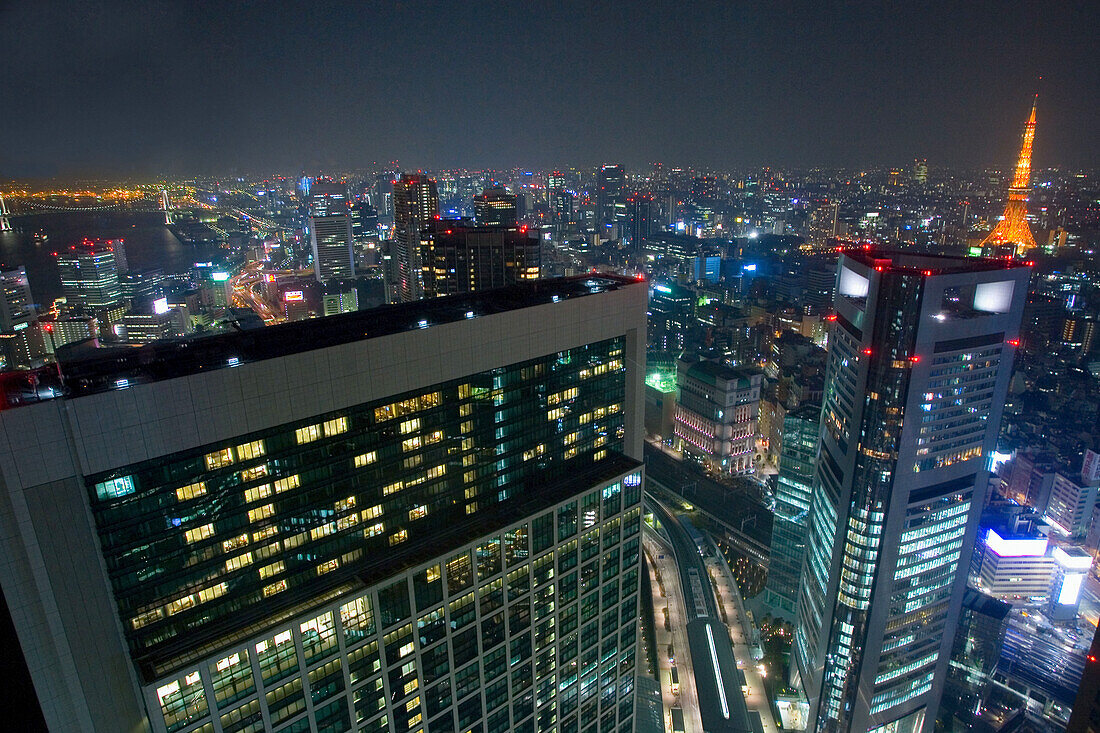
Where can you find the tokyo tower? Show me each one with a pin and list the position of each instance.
(1013, 228)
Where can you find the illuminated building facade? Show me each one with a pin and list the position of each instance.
(386, 520)
(1071, 566)
(89, 276)
(717, 414)
(330, 232)
(792, 508)
(1015, 569)
(415, 205)
(918, 369)
(20, 338)
(460, 258)
(495, 207)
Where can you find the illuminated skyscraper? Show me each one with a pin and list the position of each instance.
(459, 258)
(20, 339)
(792, 508)
(423, 517)
(920, 171)
(642, 215)
(330, 231)
(823, 225)
(918, 370)
(415, 204)
(610, 198)
(495, 207)
(1013, 228)
(89, 275)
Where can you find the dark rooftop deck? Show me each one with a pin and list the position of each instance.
(83, 370)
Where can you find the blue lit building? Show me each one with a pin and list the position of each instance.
(918, 370)
(792, 508)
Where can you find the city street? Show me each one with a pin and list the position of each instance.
(756, 698)
(668, 596)
(244, 287)
(720, 701)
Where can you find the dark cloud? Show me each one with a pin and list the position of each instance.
(148, 87)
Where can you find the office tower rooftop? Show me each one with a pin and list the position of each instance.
(495, 207)
(328, 198)
(369, 519)
(460, 257)
(919, 363)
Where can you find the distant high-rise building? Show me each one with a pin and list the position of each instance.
(823, 225)
(919, 364)
(797, 454)
(330, 231)
(408, 524)
(460, 258)
(142, 285)
(89, 275)
(20, 338)
(382, 198)
(495, 207)
(562, 204)
(671, 313)
(416, 204)
(642, 213)
(364, 223)
(920, 171)
(610, 195)
(555, 184)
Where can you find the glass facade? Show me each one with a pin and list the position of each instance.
(913, 391)
(530, 628)
(792, 508)
(200, 545)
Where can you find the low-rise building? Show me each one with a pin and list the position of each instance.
(717, 414)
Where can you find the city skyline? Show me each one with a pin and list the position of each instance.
(615, 367)
(146, 89)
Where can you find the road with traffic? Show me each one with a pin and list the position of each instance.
(244, 287)
(722, 707)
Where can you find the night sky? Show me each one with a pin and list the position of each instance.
(190, 87)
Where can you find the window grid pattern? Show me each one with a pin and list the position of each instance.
(535, 623)
(317, 501)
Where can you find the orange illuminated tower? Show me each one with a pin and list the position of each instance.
(1013, 228)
